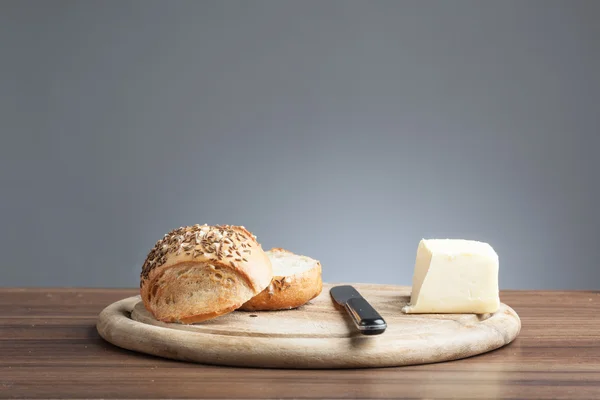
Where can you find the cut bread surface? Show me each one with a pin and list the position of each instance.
(286, 263)
(296, 280)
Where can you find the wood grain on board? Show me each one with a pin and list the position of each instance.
(316, 335)
(49, 348)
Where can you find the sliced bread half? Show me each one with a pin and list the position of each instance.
(296, 281)
(200, 272)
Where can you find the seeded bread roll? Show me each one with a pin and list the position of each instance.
(199, 272)
(296, 281)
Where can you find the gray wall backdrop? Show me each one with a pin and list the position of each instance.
(343, 130)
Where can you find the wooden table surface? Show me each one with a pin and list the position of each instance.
(49, 348)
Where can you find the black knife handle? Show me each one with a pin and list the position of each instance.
(365, 317)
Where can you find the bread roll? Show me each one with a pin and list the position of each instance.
(297, 280)
(199, 272)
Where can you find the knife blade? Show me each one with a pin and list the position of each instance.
(365, 317)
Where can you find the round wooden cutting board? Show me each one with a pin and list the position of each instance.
(317, 335)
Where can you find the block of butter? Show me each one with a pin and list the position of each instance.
(454, 276)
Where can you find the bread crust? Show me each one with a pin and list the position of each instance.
(287, 292)
(200, 272)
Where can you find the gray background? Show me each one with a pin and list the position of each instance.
(343, 130)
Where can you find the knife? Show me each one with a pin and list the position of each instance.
(365, 317)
